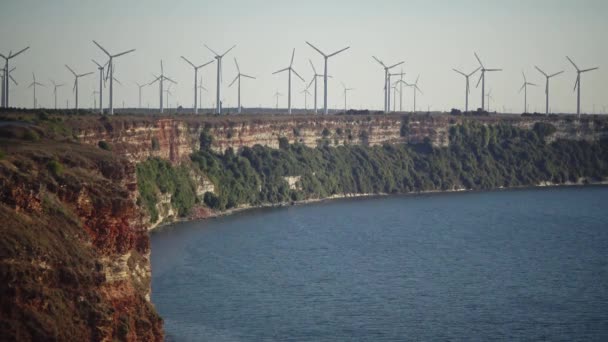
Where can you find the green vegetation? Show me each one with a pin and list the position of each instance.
(104, 145)
(55, 167)
(479, 157)
(156, 176)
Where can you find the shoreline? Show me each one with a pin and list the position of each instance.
(209, 214)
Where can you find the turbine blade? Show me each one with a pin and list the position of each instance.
(276, 72)
(377, 60)
(591, 69)
(313, 67)
(243, 75)
(522, 87)
(480, 77)
(576, 67)
(236, 78)
(394, 65)
(116, 80)
(170, 80)
(293, 54)
(72, 71)
(187, 61)
(524, 75)
(100, 67)
(12, 79)
(102, 49)
(123, 53)
(311, 81)
(87, 74)
(237, 66)
(162, 70)
(479, 60)
(460, 72)
(337, 52)
(225, 53)
(493, 69)
(557, 73)
(476, 70)
(578, 78)
(542, 72)
(215, 53)
(204, 65)
(18, 53)
(319, 51)
(298, 75)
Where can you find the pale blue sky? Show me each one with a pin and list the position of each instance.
(432, 37)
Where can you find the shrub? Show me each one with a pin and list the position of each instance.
(104, 145)
(326, 132)
(55, 167)
(155, 144)
(283, 143)
(206, 140)
(31, 135)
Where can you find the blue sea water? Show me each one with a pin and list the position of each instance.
(481, 266)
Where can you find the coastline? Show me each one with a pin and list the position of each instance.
(202, 213)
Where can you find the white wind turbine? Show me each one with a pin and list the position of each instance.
(387, 91)
(289, 70)
(401, 90)
(314, 80)
(548, 77)
(325, 75)
(218, 98)
(33, 85)
(110, 72)
(395, 93)
(482, 79)
(238, 77)
(5, 94)
(306, 93)
(468, 89)
(524, 87)
(161, 79)
(277, 95)
(346, 90)
(489, 96)
(200, 90)
(140, 86)
(415, 88)
(577, 84)
(196, 80)
(55, 86)
(76, 77)
(101, 69)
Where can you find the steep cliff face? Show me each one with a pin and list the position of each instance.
(74, 255)
(176, 138)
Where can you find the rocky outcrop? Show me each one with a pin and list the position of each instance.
(175, 138)
(74, 253)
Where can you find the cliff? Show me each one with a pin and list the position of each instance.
(74, 256)
(175, 138)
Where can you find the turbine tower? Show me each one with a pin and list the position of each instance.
(524, 87)
(395, 93)
(238, 77)
(34, 84)
(468, 89)
(346, 90)
(161, 80)
(289, 70)
(482, 79)
(7, 70)
(277, 95)
(577, 84)
(314, 80)
(140, 86)
(55, 86)
(401, 90)
(489, 96)
(196, 80)
(306, 93)
(200, 90)
(325, 76)
(3, 84)
(415, 89)
(101, 83)
(386, 84)
(548, 77)
(110, 72)
(76, 77)
(218, 97)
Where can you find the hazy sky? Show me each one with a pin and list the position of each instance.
(432, 37)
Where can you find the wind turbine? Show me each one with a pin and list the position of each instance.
(76, 77)
(482, 79)
(306, 93)
(468, 89)
(325, 76)
(34, 84)
(218, 57)
(386, 83)
(314, 79)
(238, 77)
(289, 70)
(401, 90)
(168, 92)
(196, 80)
(548, 77)
(489, 96)
(139, 98)
(346, 90)
(395, 89)
(55, 86)
(577, 84)
(161, 80)
(3, 78)
(395, 93)
(524, 87)
(7, 70)
(101, 83)
(277, 95)
(95, 92)
(415, 89)
(110, 72)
